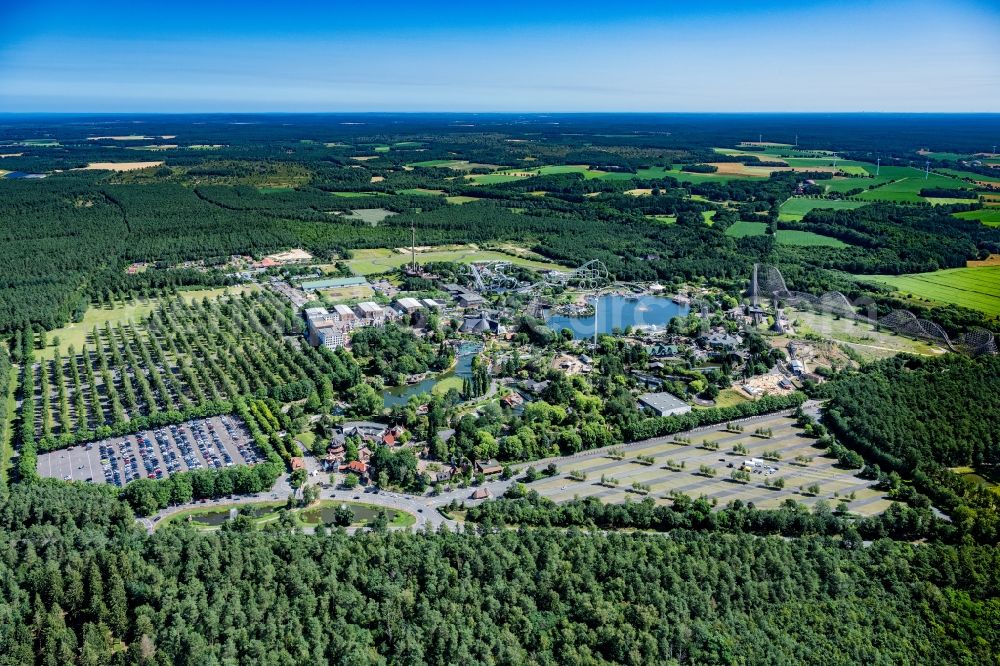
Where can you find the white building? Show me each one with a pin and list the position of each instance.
(664, 404)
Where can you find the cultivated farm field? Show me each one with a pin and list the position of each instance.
(977, 288)
(796, 208)
(988, 216)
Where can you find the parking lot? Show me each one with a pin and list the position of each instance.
(213, 443)
(787, 439)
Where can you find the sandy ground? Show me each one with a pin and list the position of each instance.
(766, 384)
(295, 254)
(365, 158)
(119, 166)
(377, 179)
(11, 155)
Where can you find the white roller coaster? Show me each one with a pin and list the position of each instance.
(768, 282)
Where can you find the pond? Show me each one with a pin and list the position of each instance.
(325, 514)
(621, 312)
(220, 516)
(22, 174)
(400, 395)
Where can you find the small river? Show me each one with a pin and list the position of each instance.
(400, 395)
(619, 311)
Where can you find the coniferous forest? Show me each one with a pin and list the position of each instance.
(83, 584)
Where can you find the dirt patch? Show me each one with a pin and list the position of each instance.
(992, 260)
(740, 169)
(377, 179)
(119, 166)
(365, 158)
(640, 192)
(11, 155)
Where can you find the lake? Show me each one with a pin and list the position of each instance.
(619, 311)
(21, 174)
(400, 395)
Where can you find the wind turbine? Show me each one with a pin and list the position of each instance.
(878, 165)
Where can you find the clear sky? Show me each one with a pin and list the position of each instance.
(744, 56)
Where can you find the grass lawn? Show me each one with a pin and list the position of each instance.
(307, 438)
(729, 397)
(76, 333)
(447, 384)
(742, 229)
(270, 512)
(806, 238)
(861, 337)
(665, 219)
(988, 216)
(379, 260)
(795, 209)
(977, 288)
(709, 216)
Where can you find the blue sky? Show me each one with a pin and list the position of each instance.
(113, 56)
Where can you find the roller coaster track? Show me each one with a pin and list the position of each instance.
(767, 282)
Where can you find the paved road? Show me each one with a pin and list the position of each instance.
(425, 507)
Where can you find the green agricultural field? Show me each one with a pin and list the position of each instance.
(379, 260)
(806, 238)
(493, 178)
(995, 180)
(796, 208)
(422, 192)
(436, 163)
(988, 216)
(907, 188)
(976, 288)
(742, 229)
(687, 177)
(946, 201)
(357, 195)
(460, 199)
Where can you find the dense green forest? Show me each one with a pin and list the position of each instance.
(919, 417)
(83, 585)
